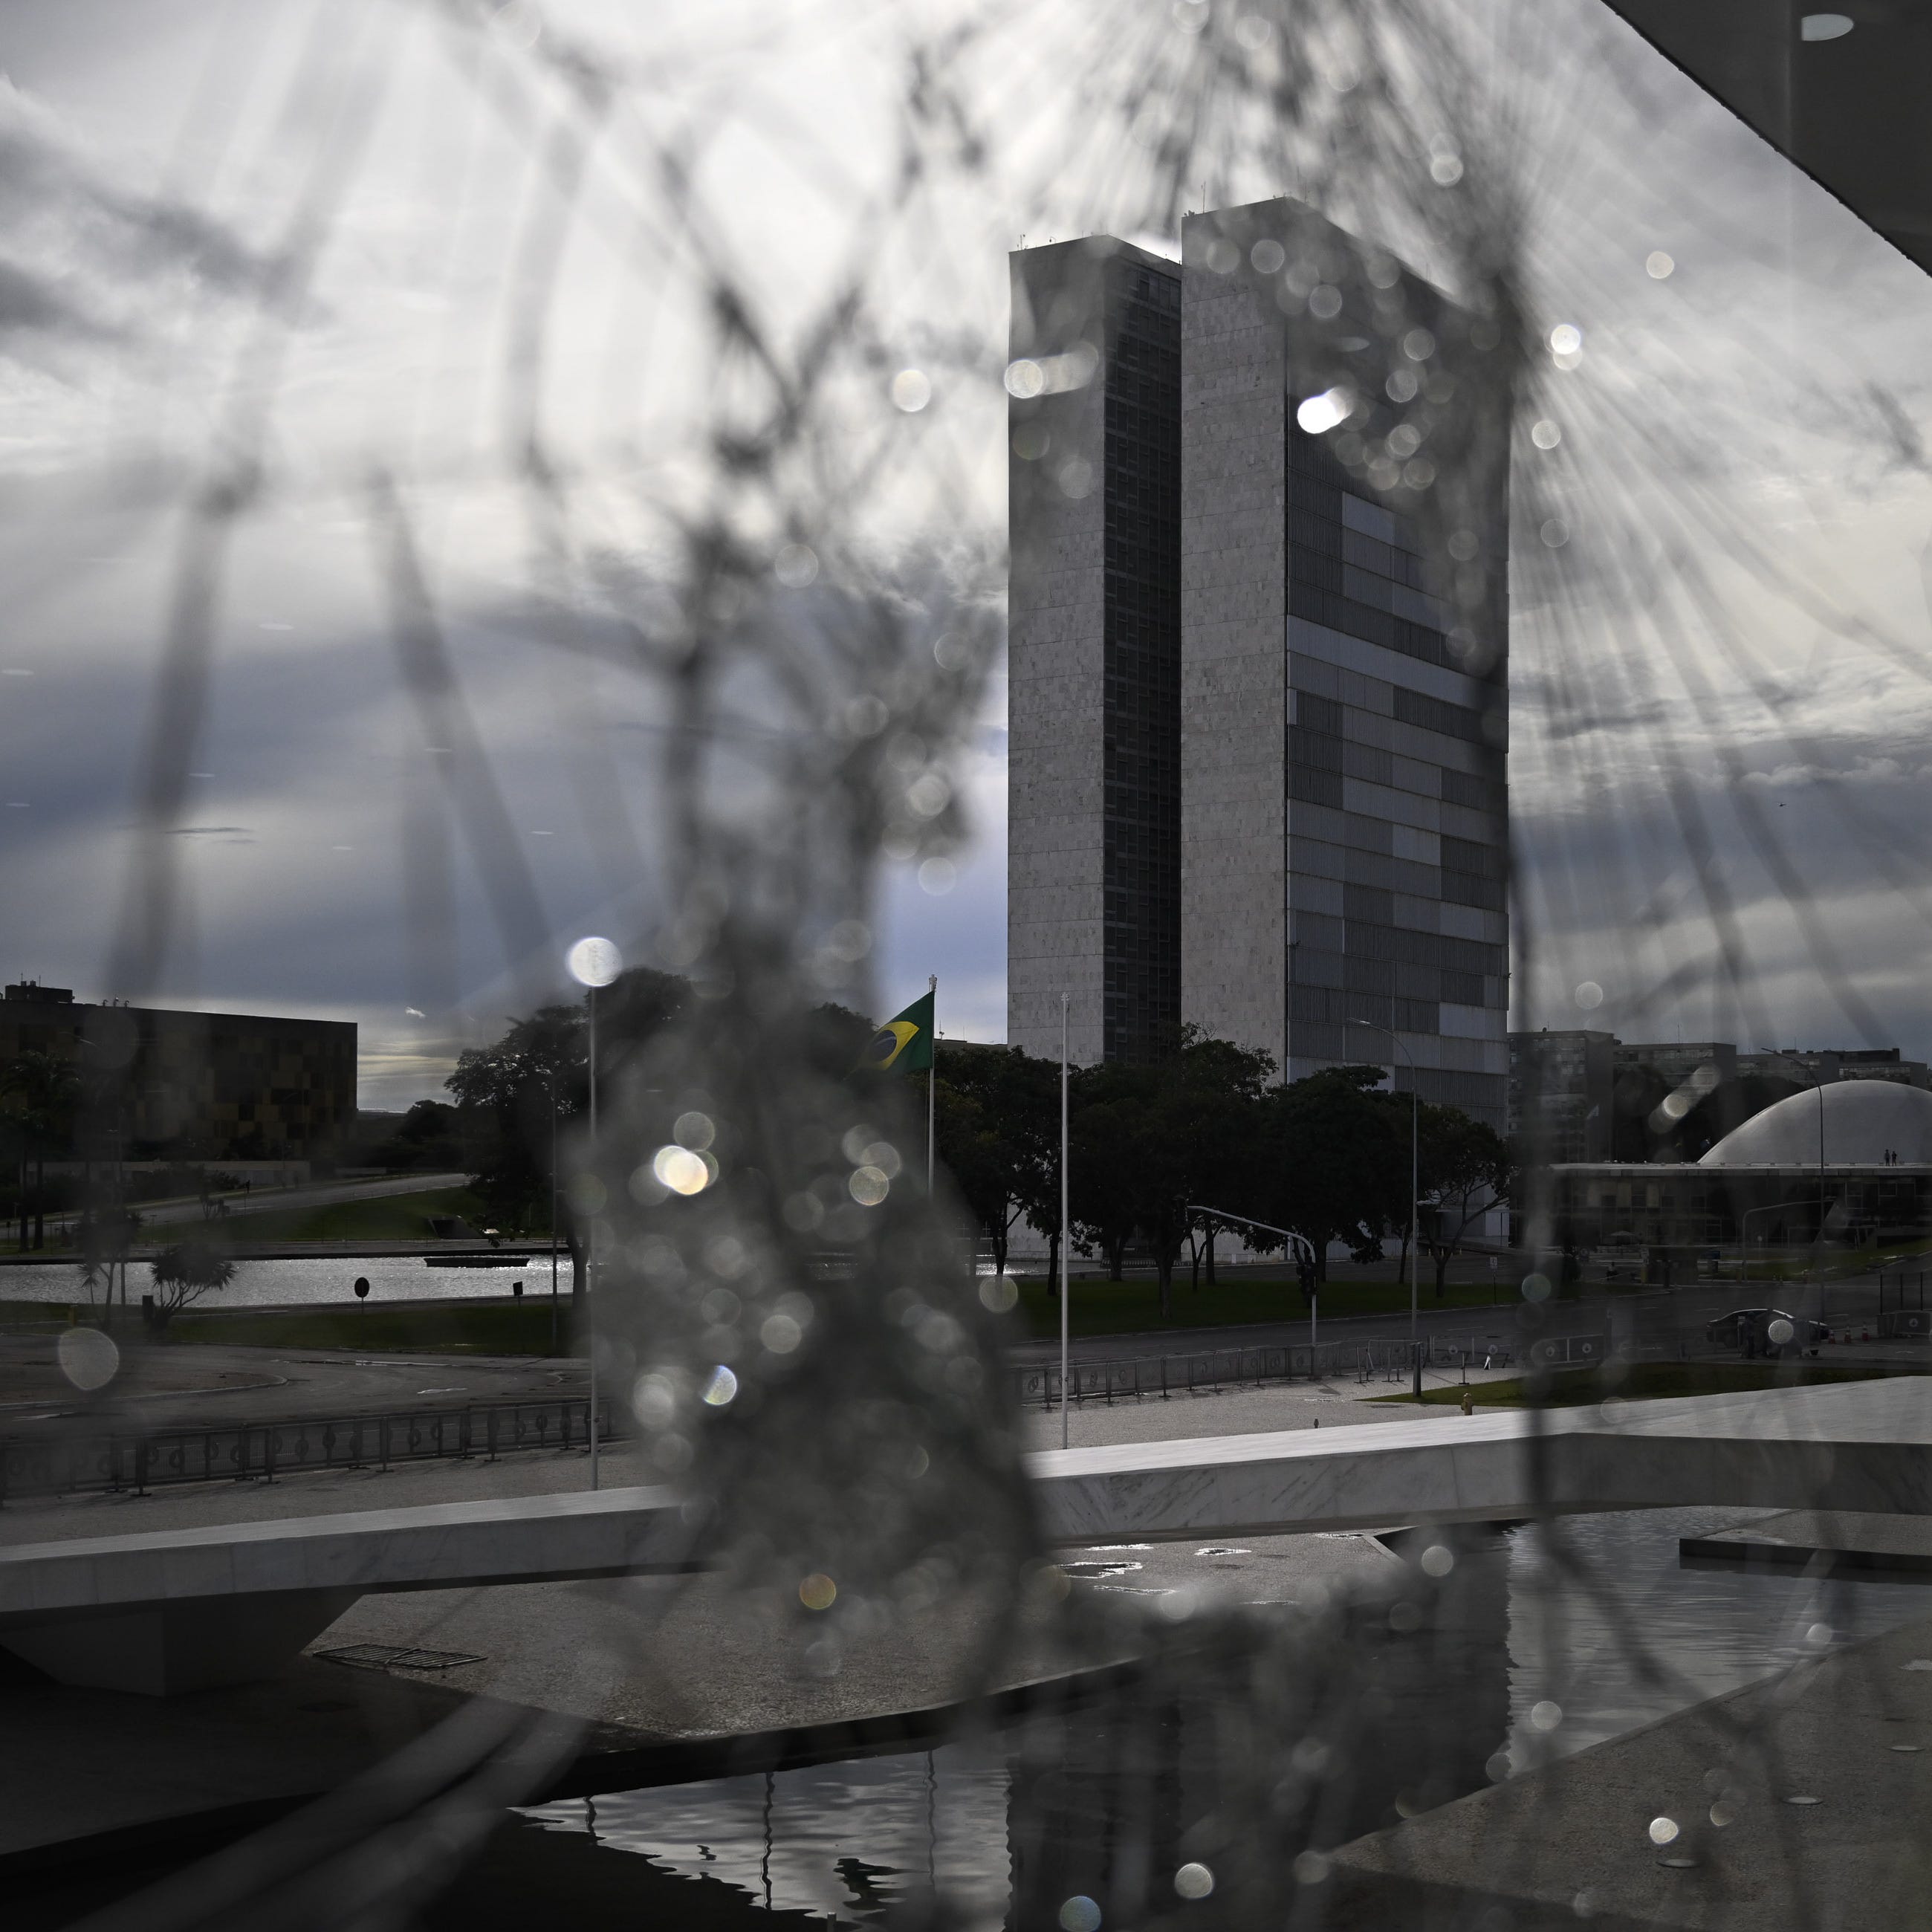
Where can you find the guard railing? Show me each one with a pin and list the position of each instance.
(60, 1464)
(1209, 1371)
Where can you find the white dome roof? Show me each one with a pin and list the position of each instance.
(1863, 1118)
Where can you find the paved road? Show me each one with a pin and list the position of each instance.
(206, 1386)
(1652, 1315)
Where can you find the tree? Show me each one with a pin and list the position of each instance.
(42, 1094)
(431, 1135)
(1467, 1168)
(996, 1119)
(1151, 1141)
(518, 1096)
(1103, 1130)
(106, 1233)
(184, 1274)
(1337, 1169)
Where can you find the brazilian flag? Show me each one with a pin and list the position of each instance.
(904, 1043)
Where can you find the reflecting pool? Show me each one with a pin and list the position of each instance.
(1532, 1649)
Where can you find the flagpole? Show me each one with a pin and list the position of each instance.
(590, 1242)
(931, 1061)
(1065, 1273)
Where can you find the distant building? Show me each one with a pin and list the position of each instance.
(1633, 1101)
(158, 1083)
(1562, 1092)
(1870, 1062)
(1849, 1161)
(1700, 1065)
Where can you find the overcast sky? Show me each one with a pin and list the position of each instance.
(155, 158)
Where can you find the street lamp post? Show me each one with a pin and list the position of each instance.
(593, 962)
(1814, 1081)
(1414, 1188)
(1818, 1241)
(553, 1213)
(590, 1259)
(1065, 1273)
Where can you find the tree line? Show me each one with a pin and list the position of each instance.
(1208, 1125)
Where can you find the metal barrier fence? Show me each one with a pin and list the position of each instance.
(1209, 1371)
(245, 1452)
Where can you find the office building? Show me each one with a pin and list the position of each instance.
(1093, 466)
(196, 1086)
(1250, 785)
(1681, 1066)
(1344, 825)
(1562, 1093)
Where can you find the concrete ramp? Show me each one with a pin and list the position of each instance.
(176, 1610)
(183, 1609)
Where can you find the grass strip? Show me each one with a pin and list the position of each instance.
(1133, 1307)
(1652, 1381)
(499, 1328)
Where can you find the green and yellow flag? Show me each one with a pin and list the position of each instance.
(904, 1043)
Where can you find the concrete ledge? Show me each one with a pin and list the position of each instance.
(1821, 1543)
(1860, 1446)
(178, 1610)
(1864, 1446)
(442, 1545)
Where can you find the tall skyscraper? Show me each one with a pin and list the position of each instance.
(1094, 760)
(1343, 837)
(1334, 825)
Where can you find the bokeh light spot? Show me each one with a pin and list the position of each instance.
(594, 961)
(1194, 1881)
(88, 1357)
(681, 1170)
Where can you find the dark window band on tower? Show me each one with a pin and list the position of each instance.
(1141, 834)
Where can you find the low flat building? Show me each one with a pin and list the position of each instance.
(1870, 1062)
(157, 1084)
(1685, 1204)
(1851, 1162)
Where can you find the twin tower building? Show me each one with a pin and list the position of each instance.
(1254, 780)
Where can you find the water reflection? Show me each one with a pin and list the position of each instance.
(1628, 1637)
(1523, 1654)
(329, 1280)
(842, 1842)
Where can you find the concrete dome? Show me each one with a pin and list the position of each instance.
(1862, 1119)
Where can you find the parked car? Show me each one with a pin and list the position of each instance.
(1750, 1329)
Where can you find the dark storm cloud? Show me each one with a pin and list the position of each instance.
(1814, 864)
(86, 253)
(29, 301)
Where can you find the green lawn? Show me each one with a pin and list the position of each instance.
(398, 1217)
(504, 1328)
(1650, 1382)
(1133, 1307)
(395, 1217)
